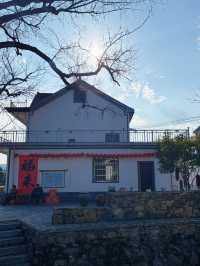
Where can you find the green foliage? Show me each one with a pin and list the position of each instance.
(180, 153)
(167, 154)
(196, 143)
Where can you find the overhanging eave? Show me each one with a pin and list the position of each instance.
(20, 113)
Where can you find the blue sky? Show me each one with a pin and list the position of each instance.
(167, 63)
(169, 60)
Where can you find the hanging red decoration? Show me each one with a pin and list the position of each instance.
(28, 170)
(92, 155)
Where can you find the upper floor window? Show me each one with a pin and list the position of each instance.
(112, 137)
(106, 170)
(79, 96)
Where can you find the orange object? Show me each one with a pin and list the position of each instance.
(52, 197)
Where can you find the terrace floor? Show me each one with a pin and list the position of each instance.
(37, 216)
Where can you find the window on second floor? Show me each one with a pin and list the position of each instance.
(112, 137)
(79, 96)
(71, 140)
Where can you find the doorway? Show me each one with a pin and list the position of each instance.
(146, 176)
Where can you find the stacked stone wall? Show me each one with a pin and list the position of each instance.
(148, 229)
(127, 206)
(171, 243)
(156, 204)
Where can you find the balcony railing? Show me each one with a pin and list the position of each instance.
(90, 136)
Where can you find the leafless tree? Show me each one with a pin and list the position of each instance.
(21, 19)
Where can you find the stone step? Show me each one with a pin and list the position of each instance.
(12, 250)
(14, 260)
(10, 233)
(11, 241)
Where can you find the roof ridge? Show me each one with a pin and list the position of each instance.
(77, 83)
(107, 95)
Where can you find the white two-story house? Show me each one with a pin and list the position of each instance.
(78, 140)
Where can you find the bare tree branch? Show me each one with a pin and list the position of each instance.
(15, 81)
(19, 19)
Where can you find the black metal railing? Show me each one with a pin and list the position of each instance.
(87, 136)
(152, 136)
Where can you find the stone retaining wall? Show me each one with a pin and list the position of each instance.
(155, 243)
(81, 215)
(155, 204)
(140, 229)
(127, 206)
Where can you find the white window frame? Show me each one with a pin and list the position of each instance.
(105, 174)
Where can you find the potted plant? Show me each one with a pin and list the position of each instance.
(84, 199)
(100, 200)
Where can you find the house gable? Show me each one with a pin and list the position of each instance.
(81, 116)
(42, 99)
(80, 84)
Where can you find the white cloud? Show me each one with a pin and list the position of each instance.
(137, 89)
(146, 92)
(150, 95)
(138, 122)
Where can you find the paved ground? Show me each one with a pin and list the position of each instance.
(40, 217)
(31, 214)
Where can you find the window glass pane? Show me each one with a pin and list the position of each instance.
(112, 137)
(106, 170)
(53, 179)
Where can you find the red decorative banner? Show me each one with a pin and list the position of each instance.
(93, 155)
(28, 171)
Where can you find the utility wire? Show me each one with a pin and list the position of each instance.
(178, 121)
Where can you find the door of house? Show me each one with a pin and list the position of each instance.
(146, 175)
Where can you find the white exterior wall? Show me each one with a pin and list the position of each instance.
(62, 115)
(79, 171)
